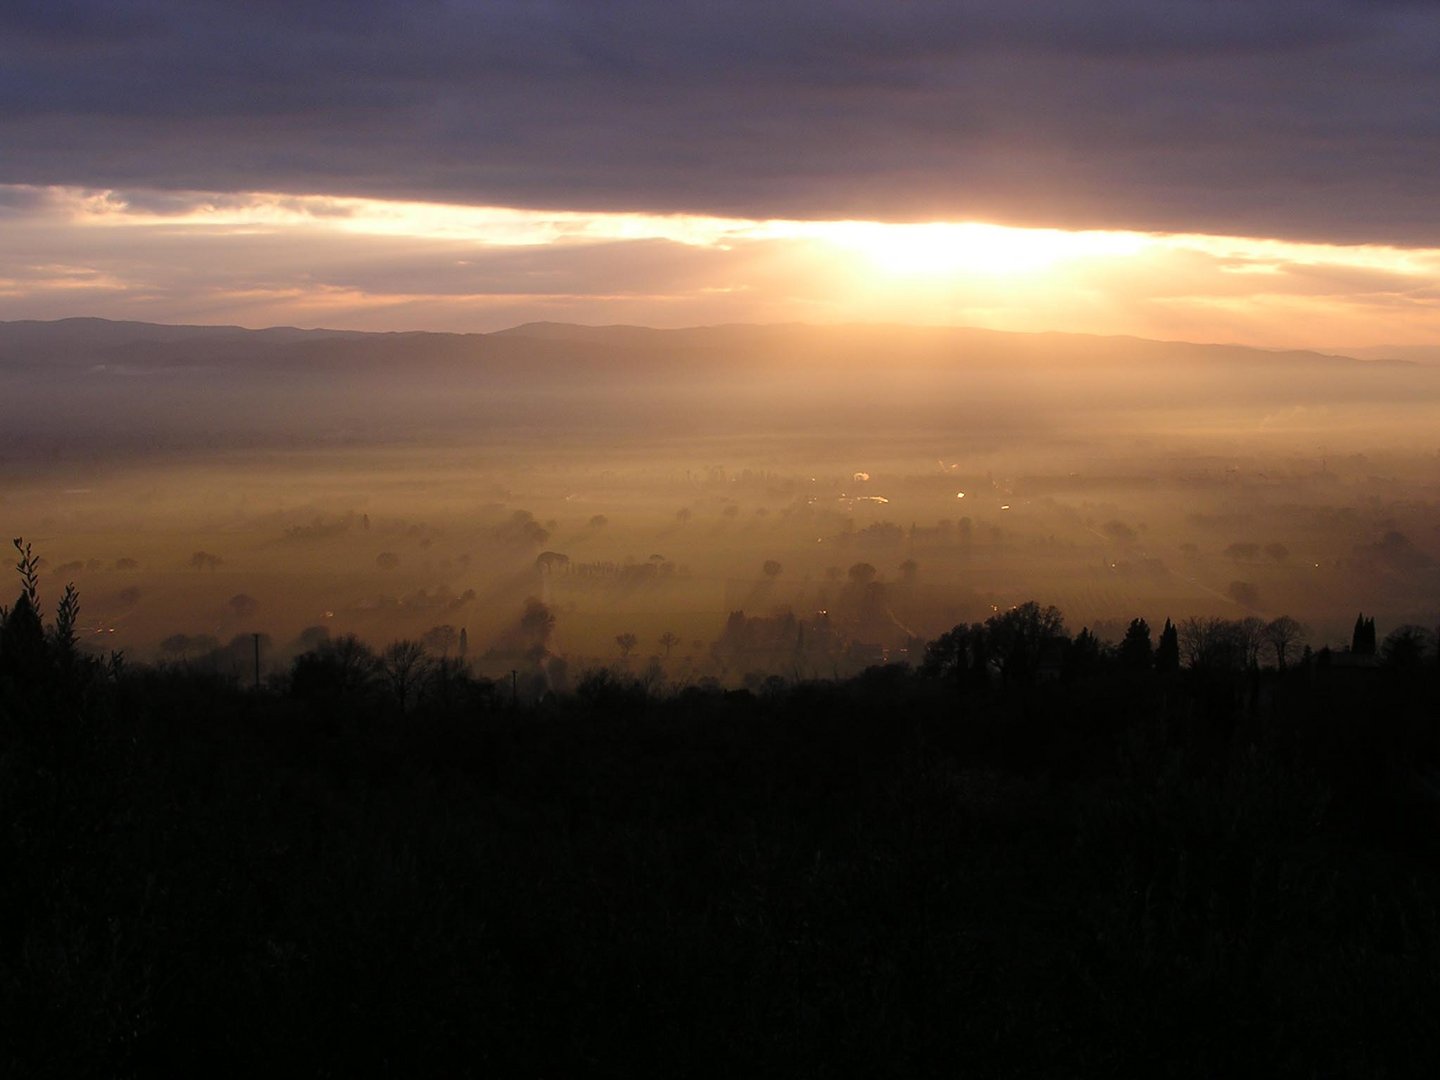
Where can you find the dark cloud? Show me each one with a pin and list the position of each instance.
(1303, 118)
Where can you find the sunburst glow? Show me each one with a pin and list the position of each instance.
(383, 264)
(940, 248)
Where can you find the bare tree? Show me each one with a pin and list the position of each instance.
(404, 665)
(1250, 634)
(1280, 634)
(668, 641)
(626, 641)
(1212, 642)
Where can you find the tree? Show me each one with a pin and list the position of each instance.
(404, 665)
(522, 529)
(549, 562)
(771, 569)
(1362, 638)
(1136, 652)
(338, 668)
(1083, 656)
(626, 641)
(1405, 647)
(668, 641)
(203, 560)
(908, 570)
(1016, 637)
(861, 573)
(1167, 652)
(1281, 634)
(946, 655)
(1212, 643)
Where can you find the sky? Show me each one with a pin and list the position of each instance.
(1216, 170)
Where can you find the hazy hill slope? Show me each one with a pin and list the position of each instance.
(127, 383)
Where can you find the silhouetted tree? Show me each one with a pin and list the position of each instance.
(1015, 638)
(1082, 658)
(203, 560)
(22, 639)
(1281, 634)
(947, 655)
(1212, 643)
(1250, 635)
(1405, 647)
(626, 641)
(404, 664)
(62, 634)
(1167, 651)
(1136, 652)
(771, 569)
(1362, 638)
(339, 669)
(668, 641)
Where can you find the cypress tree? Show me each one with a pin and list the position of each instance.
(1167, 653)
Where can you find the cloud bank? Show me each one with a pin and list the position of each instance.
(1316, 120)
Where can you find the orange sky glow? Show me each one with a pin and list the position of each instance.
(259, 259)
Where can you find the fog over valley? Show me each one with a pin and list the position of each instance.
(573, 497)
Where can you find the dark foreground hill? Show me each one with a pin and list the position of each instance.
(1118, 873)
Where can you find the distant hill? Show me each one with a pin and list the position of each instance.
(100, 342)
(1417, 354)
(119, 383)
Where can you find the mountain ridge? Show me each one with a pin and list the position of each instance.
(95, 333)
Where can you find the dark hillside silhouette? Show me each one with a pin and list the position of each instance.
(1033, 854)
